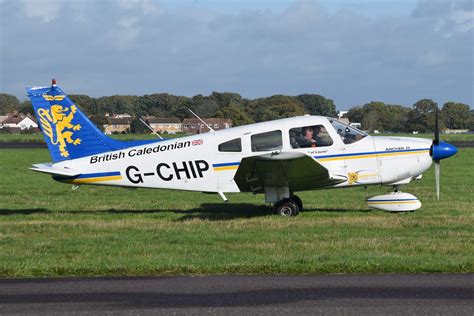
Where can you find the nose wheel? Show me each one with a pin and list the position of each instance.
(289, 207)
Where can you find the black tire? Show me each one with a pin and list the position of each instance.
(296, 199)
(287, 208)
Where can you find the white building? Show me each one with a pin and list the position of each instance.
(17, 121)
(340, 114)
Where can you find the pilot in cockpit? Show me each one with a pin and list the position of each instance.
(317, 135)
(307, 140)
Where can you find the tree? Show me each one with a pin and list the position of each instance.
(99, 120)
(394, 117)
(26, 108)
(221, 104)
(380, 116)
(137, 127)
(236, 114)
(315, 104)
(371, 121)
(162, 105)
(182, 110)
(470, 122)
(8, 103)
(422, 117)
(117, 104)
(355, 114)
(274, 107)
(87, 104)
(226, 98)
(456, 115)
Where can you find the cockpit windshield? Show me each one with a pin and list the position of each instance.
(348, 134)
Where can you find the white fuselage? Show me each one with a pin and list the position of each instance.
(195, 163)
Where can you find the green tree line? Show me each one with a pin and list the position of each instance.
(421, 117)
(225, 105)
(372, 116)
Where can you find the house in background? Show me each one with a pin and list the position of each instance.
(117, 125)
(195, 126)
(123, 115)
(120, 123)
(341, 114)
(341, 117)
(170, 125)
(16, 122)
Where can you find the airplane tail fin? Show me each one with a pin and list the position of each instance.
(67, 131)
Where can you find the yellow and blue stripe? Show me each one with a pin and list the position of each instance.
(361, 155)
(371, 154)
(396, 201)
(91, 177)
(226, 166)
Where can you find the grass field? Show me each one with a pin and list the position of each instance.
(28, 138)
(47, 229)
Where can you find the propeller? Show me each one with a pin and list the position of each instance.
(437, 161)
(440, 150)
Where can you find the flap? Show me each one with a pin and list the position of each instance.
(295, 170)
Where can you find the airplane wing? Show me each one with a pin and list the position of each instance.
(296, 170)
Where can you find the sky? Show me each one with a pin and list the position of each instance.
(353, 52)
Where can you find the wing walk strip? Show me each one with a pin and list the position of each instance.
(94, 177)
(235, 165)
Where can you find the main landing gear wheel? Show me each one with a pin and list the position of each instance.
(296, 199)
(287, 207)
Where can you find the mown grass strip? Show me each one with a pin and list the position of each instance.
(47, 229)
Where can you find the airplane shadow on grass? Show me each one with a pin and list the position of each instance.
(206, 211)
(232, 211)
(29, 211)
(210, 211)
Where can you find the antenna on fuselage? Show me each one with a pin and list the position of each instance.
(210, 128)
(150, 128)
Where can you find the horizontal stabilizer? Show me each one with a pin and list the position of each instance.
(50, 169)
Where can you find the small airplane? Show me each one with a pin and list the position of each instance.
(276, 158)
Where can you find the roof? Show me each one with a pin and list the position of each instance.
(120, 121)
(123, 115)
(161, 120)
(14, 118)
(212, 120)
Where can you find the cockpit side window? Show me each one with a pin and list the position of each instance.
(310, 136)
(267, 141)
(234, 145)
(348, 134)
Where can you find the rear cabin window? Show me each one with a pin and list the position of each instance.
(267, 141)
(310, 136)
(234, 145)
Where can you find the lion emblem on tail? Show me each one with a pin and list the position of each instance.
(55, 122)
